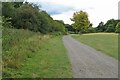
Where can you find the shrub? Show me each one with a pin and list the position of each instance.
(6, 22)
(118, 28)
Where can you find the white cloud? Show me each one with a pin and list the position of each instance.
(98, 10)
(64, 16)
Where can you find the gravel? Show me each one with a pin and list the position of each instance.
(87, 62)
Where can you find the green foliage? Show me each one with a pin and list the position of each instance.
(45, 22)
(91, 30)
(16, 48)
(6, 22)
(69, 28)
(12, 41)
(109, 26)
(26, 18)
(118, 28)
(8, 9)
(100, 27)
(58, 26)
(29, 16)
(81, 21)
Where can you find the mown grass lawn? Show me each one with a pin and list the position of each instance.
(31, 55)
(104, 42)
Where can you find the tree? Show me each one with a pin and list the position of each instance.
(58, 26)
(69, 28)
(45, 22)
(81, 21)
(8, 9)
(117, 28)
(90, 25)
(6, 22)
(30, 16)
(25, 17)
(110, 25)
(100, 27)
(91, 29)
(18, 4)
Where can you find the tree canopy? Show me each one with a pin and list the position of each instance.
(81, 21)
(30, 16)
(109, 26)
(100, 27)
(118, 28)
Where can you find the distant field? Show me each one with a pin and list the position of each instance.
(104, 42)
(29, 55)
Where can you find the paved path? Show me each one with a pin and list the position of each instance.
(89, 63)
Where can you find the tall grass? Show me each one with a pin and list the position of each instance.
(29, 54)
(16, 48)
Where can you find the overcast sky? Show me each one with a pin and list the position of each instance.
(98, 10)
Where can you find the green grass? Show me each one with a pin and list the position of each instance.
(32, 55)
(104, 42)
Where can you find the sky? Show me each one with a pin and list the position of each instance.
(98, 10)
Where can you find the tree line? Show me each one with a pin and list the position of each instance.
(110, 26)
(82, 24)
(29, 16)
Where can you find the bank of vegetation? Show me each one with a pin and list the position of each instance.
(32, 43)
(29, 16)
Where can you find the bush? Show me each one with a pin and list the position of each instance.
(29, 16)
(118, 28)
(6, 22)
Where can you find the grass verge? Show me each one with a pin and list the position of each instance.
(30, 55)
(104, 42)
